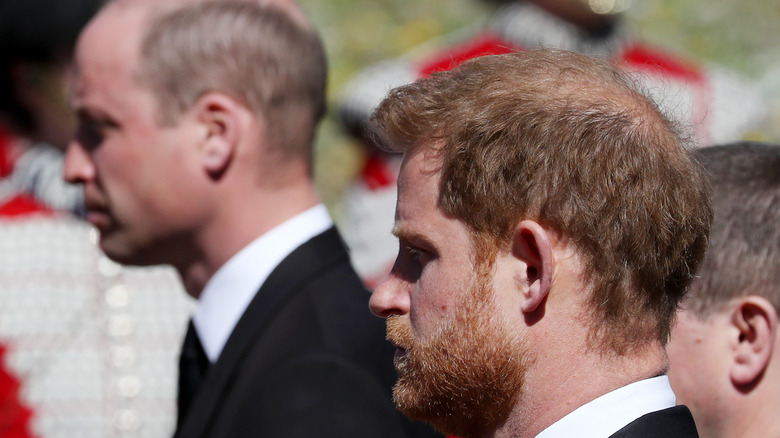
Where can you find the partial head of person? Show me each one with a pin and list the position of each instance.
(36, 44)
(725, 349)
(196, 123)
(549, 221)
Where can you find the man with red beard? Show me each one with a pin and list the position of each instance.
(549, 221)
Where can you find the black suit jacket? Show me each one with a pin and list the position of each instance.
(306, 359)
(676, 422)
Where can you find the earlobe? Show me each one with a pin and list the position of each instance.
(755, 319)
(531, 245)
(218, 114)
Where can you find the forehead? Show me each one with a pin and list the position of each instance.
(106, 56)
(421, 225)
(417, 210)
(109, 46)
(418, 182)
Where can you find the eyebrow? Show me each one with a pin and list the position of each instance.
(414, 237)
(87, 114)
(400, 231)
(83, 113)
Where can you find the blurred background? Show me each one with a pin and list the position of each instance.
(741, 36)
(43, 329)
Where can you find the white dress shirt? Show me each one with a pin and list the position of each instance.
(229, 292)
(611, 412)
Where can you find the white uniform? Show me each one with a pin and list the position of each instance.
(94, 345)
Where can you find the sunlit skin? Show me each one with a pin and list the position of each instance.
(696, 370)
(441, 306)
(723, 367)
(429, 243)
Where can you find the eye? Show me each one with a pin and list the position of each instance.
(418, 255)
(411, 261)
(90, 134)
(93, 129)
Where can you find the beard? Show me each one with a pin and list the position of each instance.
(466, 379)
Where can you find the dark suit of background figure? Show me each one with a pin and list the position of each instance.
(306, 347)
(674, 422)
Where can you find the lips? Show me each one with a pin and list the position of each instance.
(400, 357)
(98, 219)
(399, 333)
(97, 215)
(400, 360)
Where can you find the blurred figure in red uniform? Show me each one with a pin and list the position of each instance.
(14, 414)
(36, 38)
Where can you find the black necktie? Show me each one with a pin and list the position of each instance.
(193, 365)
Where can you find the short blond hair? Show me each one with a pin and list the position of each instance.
(256, 53)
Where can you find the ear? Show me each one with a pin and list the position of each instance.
(531, 245)
(220, 115)
(755, 319)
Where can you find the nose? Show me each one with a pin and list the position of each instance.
(78, 164)
(391, 297)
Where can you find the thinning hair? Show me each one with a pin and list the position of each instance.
(255, 53)
(568, 141)
(744, 253)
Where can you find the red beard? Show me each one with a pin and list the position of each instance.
(466, 379)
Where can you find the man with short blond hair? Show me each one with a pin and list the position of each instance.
(194, 146)
(725, 349)
(550, 220)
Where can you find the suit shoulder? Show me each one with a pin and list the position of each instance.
(676, 421)
(317, 394)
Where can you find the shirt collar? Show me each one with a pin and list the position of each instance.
(611, 412)
(230, 290)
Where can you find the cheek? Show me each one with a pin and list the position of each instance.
(690, 364)
(681, 363)
(132, 181)
(118, 159)
(433, 301)
(426, 311)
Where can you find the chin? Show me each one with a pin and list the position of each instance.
(124, 254)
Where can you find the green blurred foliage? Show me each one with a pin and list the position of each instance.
(740, 35)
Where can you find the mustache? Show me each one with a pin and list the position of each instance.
(399, 333)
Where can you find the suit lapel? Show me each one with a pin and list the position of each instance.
(318, 254)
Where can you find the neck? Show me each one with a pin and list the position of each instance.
(557, 387)
(760, 423)
(238, 221)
